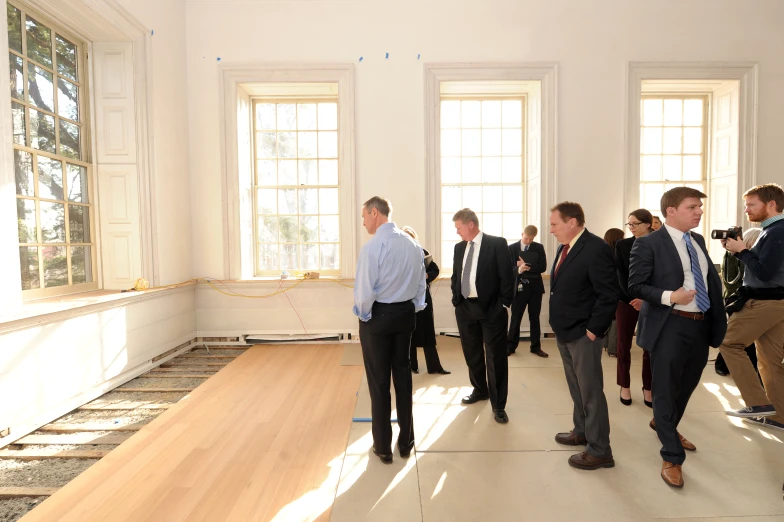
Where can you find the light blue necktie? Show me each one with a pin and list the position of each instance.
(465, 281)
(703, 301)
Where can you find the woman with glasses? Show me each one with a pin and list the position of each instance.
(640, 224)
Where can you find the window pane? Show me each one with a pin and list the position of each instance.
(287, 144)
(268, 256)
(450, 170)
(77, 183)
(25, 214)
(652, 112)
(308, 201)
(513, 225)
(328, 116)
(472, 143)
(28, 259)
(472, 198)
(672, 168)
(66, 57)
(450, 143)
(491, 142)
(328, 200)
(512, 114)
(308, 229)
(309, 256)
(18, 117)
(492, 223)
(447, 250)
(308, 174)
(287, 116)
(672, 141)
(267, 230)
(265, 116)
(650, 195)
(70, 140)
(306, 145)
(330, 228)
(512, 142)
(81, 265)
(42, 131)
(491, 170)
(287, 201)
(673, 112)
(287, 172)
(327, 144)
(79, 223)
(67, 100)
(651, 168)
(288, 229)
(692, 112)
(39, 42)
(289, 256)
(512, 170)
(491, 197)
(266, 145)
(330, 257)
(23, 171)
(450, 114)
(267, 172)
(14, 28)
(50, 178)
(55, 266)
(692, 168)
(513, 199)
(306, 116)
(692, 140)
(17, 76)
(451, 198)
(472, 170)
(40, 87)
(267, 201)
(652, 140)
(328, 172)
(471, 112)
(491, 114)
(52, 222)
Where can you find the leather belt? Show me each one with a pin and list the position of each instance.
(696, 316)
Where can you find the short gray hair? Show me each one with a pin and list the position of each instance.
(383, 206)
(466, 215)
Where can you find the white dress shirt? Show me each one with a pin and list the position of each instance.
(688, 276)
(477, 245)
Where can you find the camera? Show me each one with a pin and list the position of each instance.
(730, 233)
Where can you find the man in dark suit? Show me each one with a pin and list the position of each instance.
(583, 298)
(682, 314)
(482, 291)
(528, 290)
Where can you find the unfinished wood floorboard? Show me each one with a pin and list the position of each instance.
(8, 493)
(145, 390)
(252, 440)
(51, 454)
(205, 357)
(75, 438)
(126, 405)
(74, 428)
(175, 376)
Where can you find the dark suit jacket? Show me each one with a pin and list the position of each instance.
(623, 251)
(585, 293)
(534, 274)
(655, 267)
(494, 279)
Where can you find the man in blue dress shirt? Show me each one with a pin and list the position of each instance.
(388, 291)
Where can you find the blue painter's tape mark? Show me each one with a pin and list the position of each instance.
(152, 32)
(387, 56)
(218, 58)
(368, 419)
(419, 56)
(361, 58)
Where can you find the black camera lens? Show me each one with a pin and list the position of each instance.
(719, 234)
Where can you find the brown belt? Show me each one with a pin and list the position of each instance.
(697, 316)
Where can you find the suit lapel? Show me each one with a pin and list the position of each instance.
(483, 253)
(574, 250)
(555, 263)
(669, 245)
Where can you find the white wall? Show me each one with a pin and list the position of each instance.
(591, 41)
(169, 118)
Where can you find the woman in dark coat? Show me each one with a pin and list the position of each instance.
(425, 333)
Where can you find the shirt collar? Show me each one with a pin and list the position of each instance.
(676, 234)
(768, 222)
(478, 239)
(575, 238)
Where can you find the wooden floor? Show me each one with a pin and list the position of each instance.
(261, 440)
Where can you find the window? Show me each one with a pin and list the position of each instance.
(53, 179)
(296, 185)
(482, 165)
(673, 147)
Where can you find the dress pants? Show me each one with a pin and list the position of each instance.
(533, 300)
(432, 360)
(385, 341)
(626, 319)
(483, 338)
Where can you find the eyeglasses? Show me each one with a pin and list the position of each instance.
(633, 225)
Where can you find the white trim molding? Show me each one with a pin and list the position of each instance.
(232, 79)
(435, 73)
(746, 73)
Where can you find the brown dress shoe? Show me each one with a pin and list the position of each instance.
(571, 439)
(672, 474)
(686, 443)
(587, 461)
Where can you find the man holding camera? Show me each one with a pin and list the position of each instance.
(759, 313)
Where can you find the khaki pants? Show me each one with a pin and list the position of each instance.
(760, 322)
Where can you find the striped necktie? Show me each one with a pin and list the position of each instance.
(465, 281)
(703, 301)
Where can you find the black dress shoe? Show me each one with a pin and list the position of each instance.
(625, 402)
(386, 458)
(722, 371)
(500, 416)
(471, 399)
(647, 403)
(405, 453)
(510, 352)
(415, 370)
(540, 353)
(441, 372)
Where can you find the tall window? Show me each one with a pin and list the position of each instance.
(482, 148)
(53, 183)
(296, 185)
(673, 145)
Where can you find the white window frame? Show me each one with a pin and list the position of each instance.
(541, 147)
(233, 79)
(747, 74)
